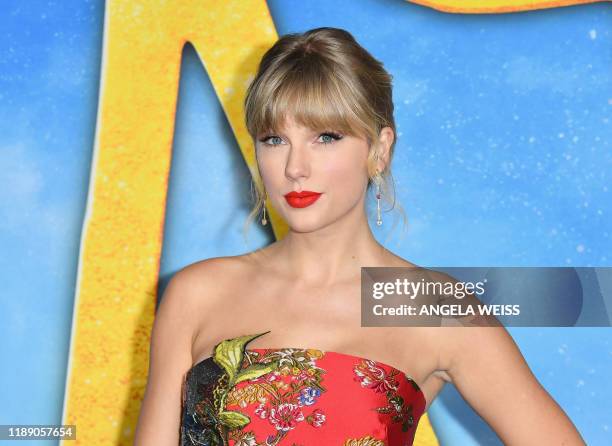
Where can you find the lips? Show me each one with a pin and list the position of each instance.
(302, 199)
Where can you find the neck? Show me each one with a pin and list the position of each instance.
(331, 254)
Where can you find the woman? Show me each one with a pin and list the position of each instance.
(267, 348)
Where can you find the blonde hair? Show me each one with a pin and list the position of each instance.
(323, 79)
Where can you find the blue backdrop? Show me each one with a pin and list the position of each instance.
(503, 159)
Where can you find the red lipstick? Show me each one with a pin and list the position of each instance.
(301, 199)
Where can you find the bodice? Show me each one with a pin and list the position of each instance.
(296, 397)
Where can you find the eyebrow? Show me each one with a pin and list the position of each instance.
(312, 131)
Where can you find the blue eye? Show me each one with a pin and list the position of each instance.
(330, 137)
(265, 140)
(324, 138)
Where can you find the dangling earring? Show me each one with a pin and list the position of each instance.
(263, 220)
(377, 180)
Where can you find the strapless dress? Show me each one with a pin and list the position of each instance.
(296, 397)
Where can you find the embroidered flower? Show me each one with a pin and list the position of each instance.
(285, 416)
(308, 396)
(304, 375)
(316, 418)
(261, 411)
(372, 376)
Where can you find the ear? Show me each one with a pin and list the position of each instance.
(385, 140)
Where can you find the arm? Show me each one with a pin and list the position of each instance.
(170, 357)
(491, 374)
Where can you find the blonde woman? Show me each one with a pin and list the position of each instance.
(267, 348)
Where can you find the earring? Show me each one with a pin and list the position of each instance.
(377, 180)
(263, 220)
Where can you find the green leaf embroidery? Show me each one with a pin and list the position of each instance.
(229, 355)
(233, 420)
(255, 371)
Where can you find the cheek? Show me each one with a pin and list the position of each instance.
(347, 173)
(268, 170)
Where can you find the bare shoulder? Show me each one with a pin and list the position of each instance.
(396, 261)
(430, 338)
(192, 290)
(189, 291)
(204, 281)
(201, 272)
(461, 344)
(214, 286)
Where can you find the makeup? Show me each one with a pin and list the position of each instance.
(302, 199)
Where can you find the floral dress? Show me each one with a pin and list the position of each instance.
(296, 397)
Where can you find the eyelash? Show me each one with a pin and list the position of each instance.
(335, 136)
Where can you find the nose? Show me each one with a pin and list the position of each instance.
(298, 163)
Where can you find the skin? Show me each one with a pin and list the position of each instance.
(306, 290)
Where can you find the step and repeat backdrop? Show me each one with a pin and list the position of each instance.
(124, 157)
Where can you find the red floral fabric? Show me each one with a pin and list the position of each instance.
(315, 397)
(296, 397)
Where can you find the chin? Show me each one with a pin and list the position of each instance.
(305, 224)
(304, 227)
(311, 224)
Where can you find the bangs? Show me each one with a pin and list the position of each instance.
(313, 97)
